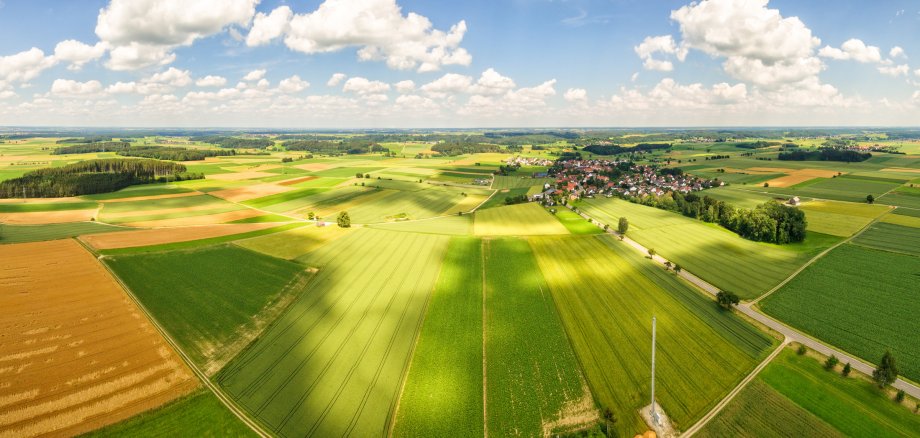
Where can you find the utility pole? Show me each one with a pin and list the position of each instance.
(653, 412)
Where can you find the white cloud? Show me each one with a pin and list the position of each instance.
(894, 71)
(377, 27)
(78, 53)
(576, 95)
(365, 87)
(266, 27)
(293, 84)
(404, 87)
(24, 66)
(853, 49)
(7, 95)
(492, 82)
(897, 52)
(262, 84)
(254, 75)
(172, 77)
(917, 72)
(71, 88)
(634, 77)
(211, 81)
(336, 79)
(122, 88)
(414, 102)
(659, 44)
(533, 95)
(448, 84)
(143, 33)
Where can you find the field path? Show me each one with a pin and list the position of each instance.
(485, 395)
(791, 334)
(224, 399)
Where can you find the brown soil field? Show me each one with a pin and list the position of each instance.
(208, 219)
(250, 192)
(47, 217)
(76, 353)
(152, 197)
(239, 176)
(290, 182)
(129, 239)
(799, 176)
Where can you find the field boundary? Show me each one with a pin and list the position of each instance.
(224, 399)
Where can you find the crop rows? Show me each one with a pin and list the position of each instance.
(516, 220)
(890, 237)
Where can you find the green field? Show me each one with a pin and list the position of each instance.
(843, 188)
(739, 197)
(443, 391)
(32, 208)
(516, 220)
(191, 244)
(902, 197)
(607, 296)
(861, 300)
(162, 204)
(293, 243)
(210, 306)
(533, 381)
(795, 396)
(141, 190)
(840, 218)
(575, 223)
(450, 225)
(891, 237)
(517, 182)
(498, 200)
(345, 172)
(200, 414)
(36, 233)
(715, 254)
(281, 201)
(334, 362)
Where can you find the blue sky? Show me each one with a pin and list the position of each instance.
(550, 63)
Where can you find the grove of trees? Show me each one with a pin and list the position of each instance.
(125, 149)
(826, 154)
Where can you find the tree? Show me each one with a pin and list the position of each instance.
(343, 220)
(651, 253)
(846, 369)
(359, 175)
(623, 226)
(609, 419)
(311, 215)
(801, 351)
(899, 397)
(727, 299)
(831, 362)
(870, 199)
(677, 268)
(887, 371)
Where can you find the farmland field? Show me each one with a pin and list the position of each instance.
(516, 220)
(516, 182)
(575, 223)
(533, 382)
(36, 233)
(717, 255)
(333, 363)
(443, 391)
(861, 300)
(293, 243)
(891, 237)
(795, 396)
(450, 225)
(840, 218)
(607, 296)
(212, 308)
(76, 354)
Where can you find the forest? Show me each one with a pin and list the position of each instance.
(156, 152)
(826, 154)
(234, 142)
(335, 147)
(603, 149)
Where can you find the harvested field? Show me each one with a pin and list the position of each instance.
(130, 239)
(77, 354)
(799, 176)
(207, 219)
(238, 176)
(47, 217)
(290, 182)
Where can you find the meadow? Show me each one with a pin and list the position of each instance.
(534, 385)
(210, 306)
(443, 392)
(334, 362)
(607, 295)
(861, 300)
(516, 220)
(713, 253)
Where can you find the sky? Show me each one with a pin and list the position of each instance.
(459, 64)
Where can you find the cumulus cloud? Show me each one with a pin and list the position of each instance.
(377, 28)
(897, 52)
(853, 49)
(450, 83)
(659, 44)
(159, 83)
(575, 95)
(336, 79)
(365, 87)
(492, 82)
(293, 84)
(894, 71)
(211, 81)
(24, 66)
(78, 53)
(404, 87)
(71, 88)
(143, 33)
(172, 77)
(254, 75)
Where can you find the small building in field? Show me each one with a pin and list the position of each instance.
(795, 201)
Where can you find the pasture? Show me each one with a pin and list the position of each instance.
(516, 220)
(210, 306)
(860, 300)
(77, 353)
(443, 392)
(334, 362)
(607, 295)
(534, 385)
(715, 254)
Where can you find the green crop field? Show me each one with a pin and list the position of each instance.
(902, 198)
(207, 303)
(200, 414)
(418, 204)
(516, 220)
(891, 237)
(840, 218)
(516, 182)
(607, 295)
(795, 396)
(739, 197)
(451, 225)
(575, 223)
(443, 391)
(141, 190)
(293, 243)
(843, 188)
(346, 172)
(498, 200)
(861, 300)
(533, 381)
(36, 233)
(285, 201)
(32, 208)
(715, 254)
(334, 362)
(167, 203)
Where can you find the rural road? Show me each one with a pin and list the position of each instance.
(791, 334)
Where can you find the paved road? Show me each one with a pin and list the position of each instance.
(790, 333)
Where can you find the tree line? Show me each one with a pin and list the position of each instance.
(452, 148)
(154, 152)
(826, 154)
(605, 149)
(335, 147)
(91, 177)
(768, 222)
(234, 142)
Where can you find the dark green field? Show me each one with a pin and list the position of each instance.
(36, 233)
(891, 237)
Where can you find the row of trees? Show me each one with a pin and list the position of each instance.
(768, 222)
(452, 148)
(92, 176)
(334, 147)
(86, 148)
(826, 154)
(603, 149)
(234, 142)
(155, 152)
